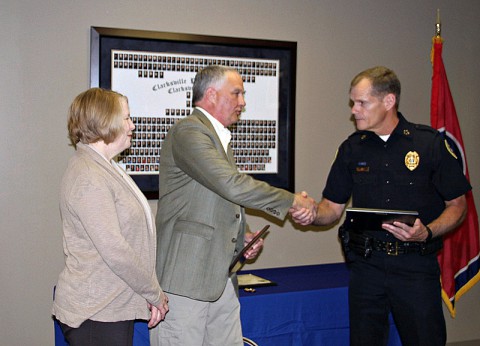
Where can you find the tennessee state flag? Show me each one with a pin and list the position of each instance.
(459, 259)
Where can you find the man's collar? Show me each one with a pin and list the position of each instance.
(403, 129)
(223, 133)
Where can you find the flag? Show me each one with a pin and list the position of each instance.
(459, 258)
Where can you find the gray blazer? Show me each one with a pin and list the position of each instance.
(200, 218)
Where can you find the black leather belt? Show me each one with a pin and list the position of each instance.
(364, 245)
(396, 248)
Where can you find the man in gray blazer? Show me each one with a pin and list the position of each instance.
(200, 219)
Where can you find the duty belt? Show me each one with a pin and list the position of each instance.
(364, 245)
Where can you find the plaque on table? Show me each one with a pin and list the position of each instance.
(251, 280)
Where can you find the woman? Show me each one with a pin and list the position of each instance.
(109, 235)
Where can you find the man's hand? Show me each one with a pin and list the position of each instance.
(304, 209)
(255, 249)
(401, 231)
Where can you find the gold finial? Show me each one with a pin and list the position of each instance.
(438, 24)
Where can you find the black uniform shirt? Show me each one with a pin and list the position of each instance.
(412, 170)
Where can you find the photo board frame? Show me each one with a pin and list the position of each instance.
(156, 70)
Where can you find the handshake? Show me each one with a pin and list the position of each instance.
(303, 209)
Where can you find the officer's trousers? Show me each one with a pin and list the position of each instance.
(406, 285)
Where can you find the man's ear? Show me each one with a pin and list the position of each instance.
(211, 95)
(389, 101)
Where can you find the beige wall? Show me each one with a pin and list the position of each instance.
(44, 59)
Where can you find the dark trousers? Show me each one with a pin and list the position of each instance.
(94, 333)
(408, 286)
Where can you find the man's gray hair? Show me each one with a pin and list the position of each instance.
(205, 78)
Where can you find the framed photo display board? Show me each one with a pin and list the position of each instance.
(156, 70)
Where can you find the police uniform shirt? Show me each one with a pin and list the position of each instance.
(412, 170)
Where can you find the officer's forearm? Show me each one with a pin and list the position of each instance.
(328, 212)
(451, 217)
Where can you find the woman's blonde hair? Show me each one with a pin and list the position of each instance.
(95, 114)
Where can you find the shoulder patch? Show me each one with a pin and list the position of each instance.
(450, 150)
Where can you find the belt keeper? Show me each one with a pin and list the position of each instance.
(368, 247)
(423, 248)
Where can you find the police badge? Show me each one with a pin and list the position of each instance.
(412, 160)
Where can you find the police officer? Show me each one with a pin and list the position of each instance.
(390, 163)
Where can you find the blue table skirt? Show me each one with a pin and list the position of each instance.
(308, 306)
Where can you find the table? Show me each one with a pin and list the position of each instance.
(308, 306)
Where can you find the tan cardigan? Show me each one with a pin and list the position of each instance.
(109, 246)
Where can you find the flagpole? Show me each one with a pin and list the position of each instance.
(438, 24)
(437, 38)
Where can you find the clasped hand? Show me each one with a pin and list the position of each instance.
(304, 209)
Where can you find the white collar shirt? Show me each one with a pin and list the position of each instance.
(222, 132)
